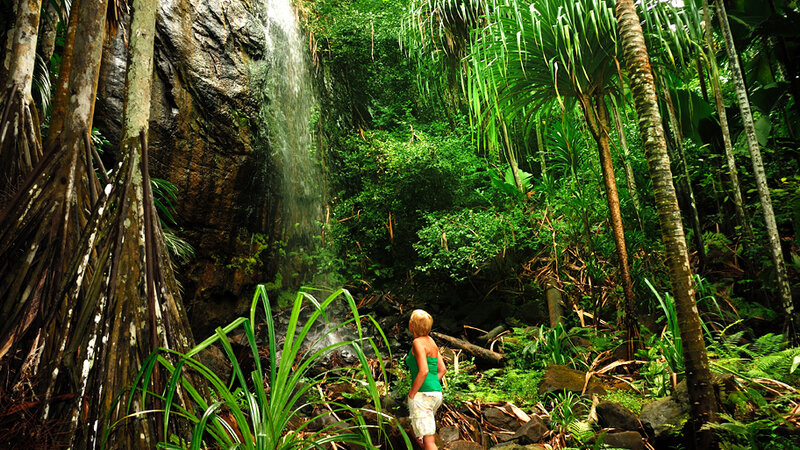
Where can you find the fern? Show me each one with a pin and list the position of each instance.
(776, 366)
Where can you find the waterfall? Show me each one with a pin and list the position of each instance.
(288, 104)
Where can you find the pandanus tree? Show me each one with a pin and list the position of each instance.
(20, 145)
(86, 284)
(536, 53)
(698, 375)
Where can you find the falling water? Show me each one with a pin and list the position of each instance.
(286, 115)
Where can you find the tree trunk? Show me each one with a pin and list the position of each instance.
(685, 179)
(48, 28)
(148, 300)
(482, 356)
(540, 146)
(597, 118)
(60, 108)
(784, 288)
(630, 179)
(512, 159)
(20, 145)
(44, 226)
(733, 172)
(698, 375)
(8, 14)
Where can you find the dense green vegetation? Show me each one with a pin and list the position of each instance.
(626, 221)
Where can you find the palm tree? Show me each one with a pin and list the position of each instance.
(698, 375)
(723, 123)
(784, 288)
(543, 52)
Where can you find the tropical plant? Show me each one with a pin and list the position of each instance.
(255, 409)
(640, 72)
(534, 53)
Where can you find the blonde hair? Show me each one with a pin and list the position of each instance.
(420, 323)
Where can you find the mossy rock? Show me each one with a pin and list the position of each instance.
(561, 378)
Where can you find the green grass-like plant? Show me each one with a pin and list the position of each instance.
(263, 402)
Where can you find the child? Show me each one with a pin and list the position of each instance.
(427, 369)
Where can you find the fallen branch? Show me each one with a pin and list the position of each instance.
(481, 355)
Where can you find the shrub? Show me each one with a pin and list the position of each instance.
(256, 413)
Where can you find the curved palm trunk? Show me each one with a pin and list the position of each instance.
(782, 279)
(698, 375)
(20, 145)
(596, 115)
(733, 172)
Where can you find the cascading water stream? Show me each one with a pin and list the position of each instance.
(284, 81)
(286, 85)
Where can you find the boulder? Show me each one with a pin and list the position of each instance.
(614, 415)
(216, 360)
(512, 445)
(631, 440)
(499, 418)
(561, 378)
(204, 128)
(662, 416)
(463, 445)
(449, 434)
(531, 432)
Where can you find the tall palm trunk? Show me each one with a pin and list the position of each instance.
(684, 178)
(20, 145)
(782, 279)
(733, 172)
(698, 375)
(596, 114)
(630, 179)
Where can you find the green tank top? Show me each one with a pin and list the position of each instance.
(431, 383)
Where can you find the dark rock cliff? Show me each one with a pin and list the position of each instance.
(202, 130)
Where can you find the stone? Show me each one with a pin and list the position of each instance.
(631, 440)
(513, 445)
(216, 360)
(531, 432)
(463, 445)
(561, 378)
(614, 415)
(499, 418)
(664, 415)
(449, 434)
(202, 136)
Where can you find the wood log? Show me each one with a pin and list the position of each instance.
(484, 338)
(481, 355)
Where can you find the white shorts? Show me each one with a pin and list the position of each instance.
(422, 409)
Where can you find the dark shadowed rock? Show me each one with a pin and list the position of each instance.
(203, 120)
(531, 432)
(449, 434)
(624, 439)
(501, 419)
(513, 445)
(561, 378)
(614, 415)
(463, 445)
(216, 360)
(663, 416)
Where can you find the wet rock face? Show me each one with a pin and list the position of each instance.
(202, 124)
